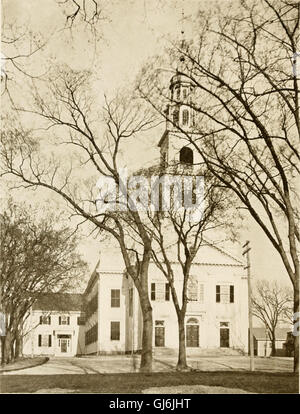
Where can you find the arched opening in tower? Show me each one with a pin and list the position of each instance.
(186, 156)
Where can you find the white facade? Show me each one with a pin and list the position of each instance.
(216, 315)
(53, 332)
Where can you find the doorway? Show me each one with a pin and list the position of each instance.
(192, 333)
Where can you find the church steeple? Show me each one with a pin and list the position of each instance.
(175, 148)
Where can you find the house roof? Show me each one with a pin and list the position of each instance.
(280, 334)
(59, 302)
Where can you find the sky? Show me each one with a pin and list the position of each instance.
(132, 32)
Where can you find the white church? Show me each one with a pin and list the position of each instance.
(110, 320)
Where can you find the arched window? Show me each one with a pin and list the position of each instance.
(186, 156)
(185, 117)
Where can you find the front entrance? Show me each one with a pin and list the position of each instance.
(192, 333)
(159, 333)
(64, 344)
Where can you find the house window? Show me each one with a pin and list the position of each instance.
(64, 320)
(130, 299)
(45, 340)
(186, 156)
(160, 291)
(224, 293)
(115, 331)
(184, 93)
(152, 291)
(80, 320)
(178, 93)
(115, 298)
(45, 320)
(167, 292)
(185, 117)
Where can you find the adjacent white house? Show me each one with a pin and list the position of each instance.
(53, 325)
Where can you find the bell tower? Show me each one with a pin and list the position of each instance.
(175, 147)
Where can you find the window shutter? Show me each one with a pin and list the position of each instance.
(49, 320)
(41, 320)
(68, 320)
(50, 340)
(218, 293)
(59, 320)
(40, 340)
(167, 295)
(231, 293)
(152, 291)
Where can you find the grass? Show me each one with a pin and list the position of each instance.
(257, 382)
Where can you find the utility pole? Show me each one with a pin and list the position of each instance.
(251, 344)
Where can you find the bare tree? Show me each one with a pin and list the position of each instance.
(68, 106)
(246, 114)
(272, 305)
(36, 256)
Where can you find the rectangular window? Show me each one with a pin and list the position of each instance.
(224, 293)
(167, 292)
(115, 298)
(80, 320)
(115, 331)
(130, 299)
(45, 320)
(160, 291)
(231, 293)
(64, 320)
(152, 291)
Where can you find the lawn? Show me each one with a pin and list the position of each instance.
(257, 382)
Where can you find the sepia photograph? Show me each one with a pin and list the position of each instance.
(149, 199)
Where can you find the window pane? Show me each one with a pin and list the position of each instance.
(115, 298)
(115, 331)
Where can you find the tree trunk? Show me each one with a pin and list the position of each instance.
(273, 343)
(2, 350)
(181, 363)
(18, 345)
(296, 328)
(7, 347)
(146, 358)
